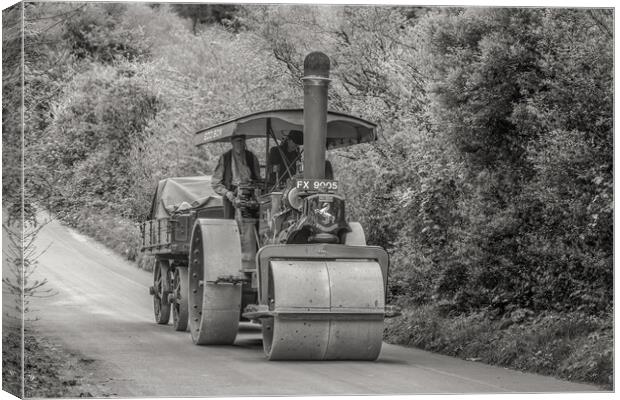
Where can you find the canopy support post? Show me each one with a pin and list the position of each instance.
(267, 161)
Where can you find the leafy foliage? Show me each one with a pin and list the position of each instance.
(91, 134)
(12, 70)
(207, 14)
(99, 33)
(510, 101)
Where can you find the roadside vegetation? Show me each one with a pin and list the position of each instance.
(32, 366)
(50, 371)
(491, 185)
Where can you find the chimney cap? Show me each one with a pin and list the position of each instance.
(316, 64)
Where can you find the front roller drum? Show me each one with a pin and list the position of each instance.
(324, 310)
(214, 308)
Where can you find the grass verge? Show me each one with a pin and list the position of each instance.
(115, 232)
(12, 360)
(572, 345)
(49, 371)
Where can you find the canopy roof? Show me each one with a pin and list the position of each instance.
(342, 129)
(183, 193)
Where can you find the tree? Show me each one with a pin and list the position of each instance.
(98, 33)
(103, 112)
(207, 14)
(21, 257)
(524, 95)
(12, 143)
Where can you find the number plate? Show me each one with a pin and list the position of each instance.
(317, 185)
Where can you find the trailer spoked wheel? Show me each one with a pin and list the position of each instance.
(179, 304)
(214, 308)
(161, 285)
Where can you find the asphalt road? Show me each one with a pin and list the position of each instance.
(103, 311)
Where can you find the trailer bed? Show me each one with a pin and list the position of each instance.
(176, 205)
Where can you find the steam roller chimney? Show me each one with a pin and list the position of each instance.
(316, 81)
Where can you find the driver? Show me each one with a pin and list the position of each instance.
(283, 158)
(237, 166)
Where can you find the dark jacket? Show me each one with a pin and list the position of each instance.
(222, 176)
(250, 162)
(276, 159)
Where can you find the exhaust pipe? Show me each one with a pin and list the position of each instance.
(316, 82)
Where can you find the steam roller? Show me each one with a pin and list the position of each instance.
(290, 260)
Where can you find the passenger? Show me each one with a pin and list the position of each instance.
(283, 158)
(237, 166)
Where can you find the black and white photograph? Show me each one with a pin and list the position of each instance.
(220, 200)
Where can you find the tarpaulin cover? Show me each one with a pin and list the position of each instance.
(179, 194)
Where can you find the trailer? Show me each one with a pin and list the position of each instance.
(177, 204)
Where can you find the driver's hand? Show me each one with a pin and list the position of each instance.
(230, 196)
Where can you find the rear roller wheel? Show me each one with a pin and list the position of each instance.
(214, 308)
(180, 311)
(161, 285)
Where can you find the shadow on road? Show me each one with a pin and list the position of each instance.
(249, 343)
